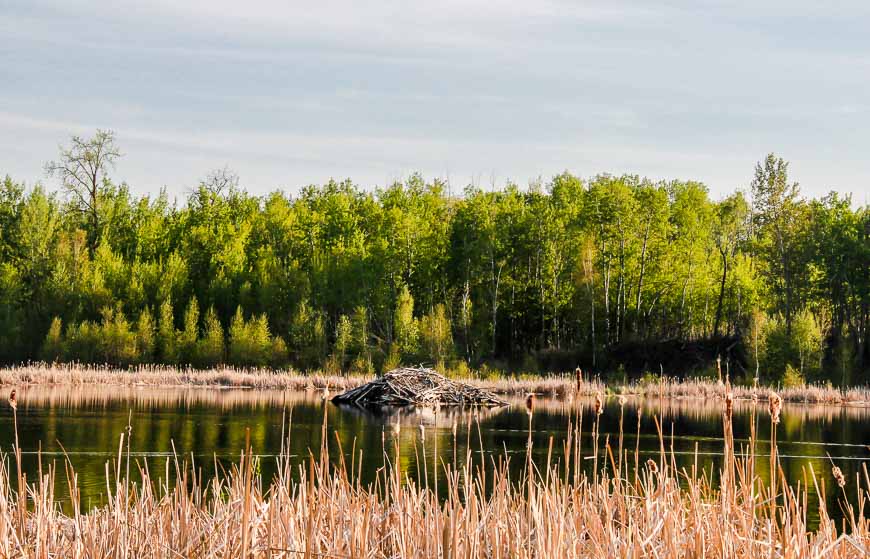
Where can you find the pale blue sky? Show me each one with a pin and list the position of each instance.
(291, 93)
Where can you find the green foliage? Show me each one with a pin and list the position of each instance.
(146, 338)
(166, 334)
(367, 278)
(52, 348)
(308, 337)
(343, 339)
(186, 340)
(792, 378)
(251, 344)
(117, 344)
(210, 348)
(435, 335)
(405, 333)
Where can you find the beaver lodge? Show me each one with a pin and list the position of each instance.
(417, 387)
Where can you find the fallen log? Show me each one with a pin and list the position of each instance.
(409, 386)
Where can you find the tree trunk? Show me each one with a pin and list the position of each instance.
(640, 277)
(721, 293)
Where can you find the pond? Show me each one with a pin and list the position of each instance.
(208, 426)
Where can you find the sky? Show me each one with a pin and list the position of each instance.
(290, 93)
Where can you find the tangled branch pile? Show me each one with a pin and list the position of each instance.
(418, 387)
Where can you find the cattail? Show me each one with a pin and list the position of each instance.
(324, 393)
(397, 428)
(530, 402)
(12, 402)
(774, 405)
(422, 431)
(599, 404)
(454, 429)
(622, 400)
(578, 375)
(652, 466)
(838, 475)
(729, 404)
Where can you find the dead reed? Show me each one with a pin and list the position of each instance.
(321, 508)
(567, 385)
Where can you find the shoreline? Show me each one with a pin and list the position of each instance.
(557, 386)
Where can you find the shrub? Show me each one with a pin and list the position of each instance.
(278, 355)
(405, 332)
(117, 339)
(435, 335)
(52, 348)
(145, 336)
(250, 341)
(792, 378)
(83, 342)
(166, 333)
(187, 338)
(210, 348)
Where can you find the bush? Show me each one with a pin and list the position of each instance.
(187, 338)
(792, 378)
(82, 342)
(210, 349)
(278, 354)
(166, 342)
(250, 341)
(435, 335)
(145, 336)
(52, 348)
(117, 339)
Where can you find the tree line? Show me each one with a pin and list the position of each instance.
(342, 278)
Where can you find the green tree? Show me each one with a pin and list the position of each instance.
(186, 340)
(210, 348)
(404, 325)
(436, 336)
(166, 333)
(81, 170)
(146, 339)
(52, 348)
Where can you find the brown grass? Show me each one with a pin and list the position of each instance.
(321, 509)
(553, 385)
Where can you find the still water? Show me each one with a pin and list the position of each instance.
(207, 427)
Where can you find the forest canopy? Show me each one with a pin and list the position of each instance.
(344, 278)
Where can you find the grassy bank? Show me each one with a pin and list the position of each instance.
(626, 507)
(554, 385)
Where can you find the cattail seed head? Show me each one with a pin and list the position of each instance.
(729, 404)
(774, 405)
(652, 466)
(530, 402)
(13, 403)
(838, 475)
(599, 404)
(622, 400)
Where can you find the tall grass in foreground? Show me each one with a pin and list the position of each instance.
(320, 508)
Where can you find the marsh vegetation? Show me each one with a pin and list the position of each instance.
(272, 473)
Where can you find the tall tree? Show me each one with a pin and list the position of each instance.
(81, 170)
(776, 200)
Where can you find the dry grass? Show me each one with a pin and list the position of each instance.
(156, 375)
(552, 385)
(625, 508)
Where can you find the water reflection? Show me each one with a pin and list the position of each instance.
(207, 426)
